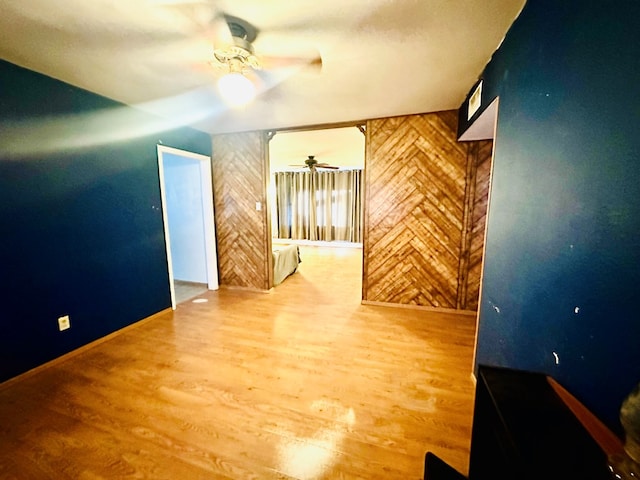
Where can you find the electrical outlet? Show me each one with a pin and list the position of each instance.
(64, 323)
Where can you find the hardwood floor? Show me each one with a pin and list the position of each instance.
(302, 382)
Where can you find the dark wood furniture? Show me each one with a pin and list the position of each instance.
(525, 426)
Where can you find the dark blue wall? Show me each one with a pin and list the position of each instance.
(81, 230)
(561, 285)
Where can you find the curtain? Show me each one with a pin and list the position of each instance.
(319, 205)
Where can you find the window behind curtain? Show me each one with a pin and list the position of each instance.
(319, 205)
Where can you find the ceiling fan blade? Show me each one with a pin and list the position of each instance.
(206, 20)
(311, 63)
(220, 31)
(169, 3)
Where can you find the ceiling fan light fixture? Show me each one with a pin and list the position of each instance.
(236, 89)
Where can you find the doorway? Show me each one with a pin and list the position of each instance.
(187, 212)
(327, 234)
(333, 212)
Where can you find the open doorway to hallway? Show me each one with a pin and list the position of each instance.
(187, 207)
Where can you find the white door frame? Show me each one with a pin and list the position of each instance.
(206, 188)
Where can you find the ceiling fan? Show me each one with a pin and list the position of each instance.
(235, 56)
(235, 49)
(233, 59)
(311, 163)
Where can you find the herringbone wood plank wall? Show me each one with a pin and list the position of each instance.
(240, 177)
(416, 174)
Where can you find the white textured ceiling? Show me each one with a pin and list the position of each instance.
(380, 57)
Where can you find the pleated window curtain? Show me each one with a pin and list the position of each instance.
(319, 205)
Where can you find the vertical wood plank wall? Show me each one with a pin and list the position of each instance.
(240, 179)
(479, 155)
(419, 214)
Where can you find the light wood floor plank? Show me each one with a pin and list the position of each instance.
(302, 382)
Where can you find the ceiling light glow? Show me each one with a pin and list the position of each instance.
(236, 89)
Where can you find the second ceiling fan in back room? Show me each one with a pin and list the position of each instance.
(311, 163)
